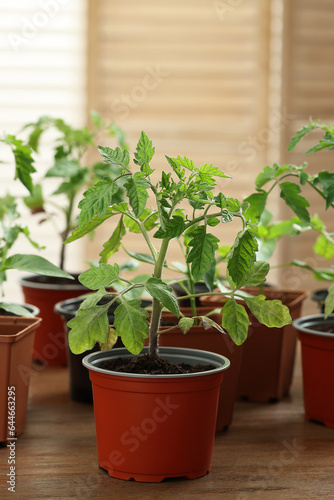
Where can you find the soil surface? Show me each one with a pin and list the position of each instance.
(147, 365)
(325, 327)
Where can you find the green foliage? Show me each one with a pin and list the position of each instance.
(186, 210)
(271, 313)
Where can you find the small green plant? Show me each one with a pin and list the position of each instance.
(11, 228)
(184, 204)
(294, 195)
(71, 167)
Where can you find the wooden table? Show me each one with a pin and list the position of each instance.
(270, 452)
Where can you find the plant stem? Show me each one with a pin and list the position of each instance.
(156, 305)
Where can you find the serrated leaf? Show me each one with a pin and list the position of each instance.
(259, 273)
(329, 302)
(271, 313)
(209, 276)
(112, 245)
(164, 293)
(64, 168)
(16, 309)
(102, 276)
(300, 134)
(233, 204)
(235, 321)
(142, 257)
(131, 325)
(265, 176)
(89, 226)
(202, 253)
(326, 180)
(206, 172)
(290, 194)
(185, 324)
(226, 216)
(175, 166)
(97, 200)
(136, 188)
(242, 257)
(35, 264)
(324, 247)
(90, 325)
(144, 152)
(115, 156)
(174, 227)
(23, 162)
(257, 203)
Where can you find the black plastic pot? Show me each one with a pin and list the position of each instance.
(80, 384)
(319, 296)
(179, 292)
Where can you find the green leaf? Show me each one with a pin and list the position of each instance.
(205, 173)
(235, 321)
(300, 134)
(257, 203)
(102, 276)
(35, 201)
(329, 302)
(144, 152)
(259, 273)
(149, 216)
(176, 167)
(35, 264)
(16, 309)
(290, 194)
(111, 340)
(64, 168)
(90, 325)
(142, 257)
(226, 216)
(267, 175)
(202, 253)
(242, 257)
(112, 245)
(136, 188)
(131, 325)
(326, 180)
(185, 324)
(164, 293)
(174, 227)
(115, 156)
(324, 247)
(271, 313)
(89, 226)
(213, 222)
(23, 162)
(97, 200)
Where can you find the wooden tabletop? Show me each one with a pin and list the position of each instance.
(269, 452)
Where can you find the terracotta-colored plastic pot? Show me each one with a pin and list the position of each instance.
(268, 354)
(317, 349)
(16, 344)
(151, 427)
(50, 344)
(214, 341)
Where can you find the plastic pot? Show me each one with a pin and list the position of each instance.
(16, 344)
(152, 427)
(44, 293)
(319, 296)
(214, 341)
(317, 349)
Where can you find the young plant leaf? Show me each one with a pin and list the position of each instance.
(142, 257)
(16, 309)
(235, 321)
(324, 247)
(301, 133)
(242, 257)
(112, 245)
(64, 168)
(326, 180)
(290, 194)
(257, 203)
(131, 325)
(89, 326)
(23, 161)
(185, 324)
(259, 273)
(164, 293)
(35, 264)
(202, 253)
(115, 156)
(102, 276)
(89, 226)
(271, 313)
(329, 302)
(144, 152)
(97, 200)
(173, 228)
(136, 187)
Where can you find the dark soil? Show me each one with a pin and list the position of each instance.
(325, 328)
(147, 365)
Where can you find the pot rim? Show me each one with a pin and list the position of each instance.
(313, 320)
(25, 282)
(196, 355)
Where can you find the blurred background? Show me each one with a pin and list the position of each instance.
(226, 82)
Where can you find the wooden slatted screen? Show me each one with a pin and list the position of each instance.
(193, 75)
(307, 92)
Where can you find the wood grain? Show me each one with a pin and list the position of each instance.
(269, 452)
